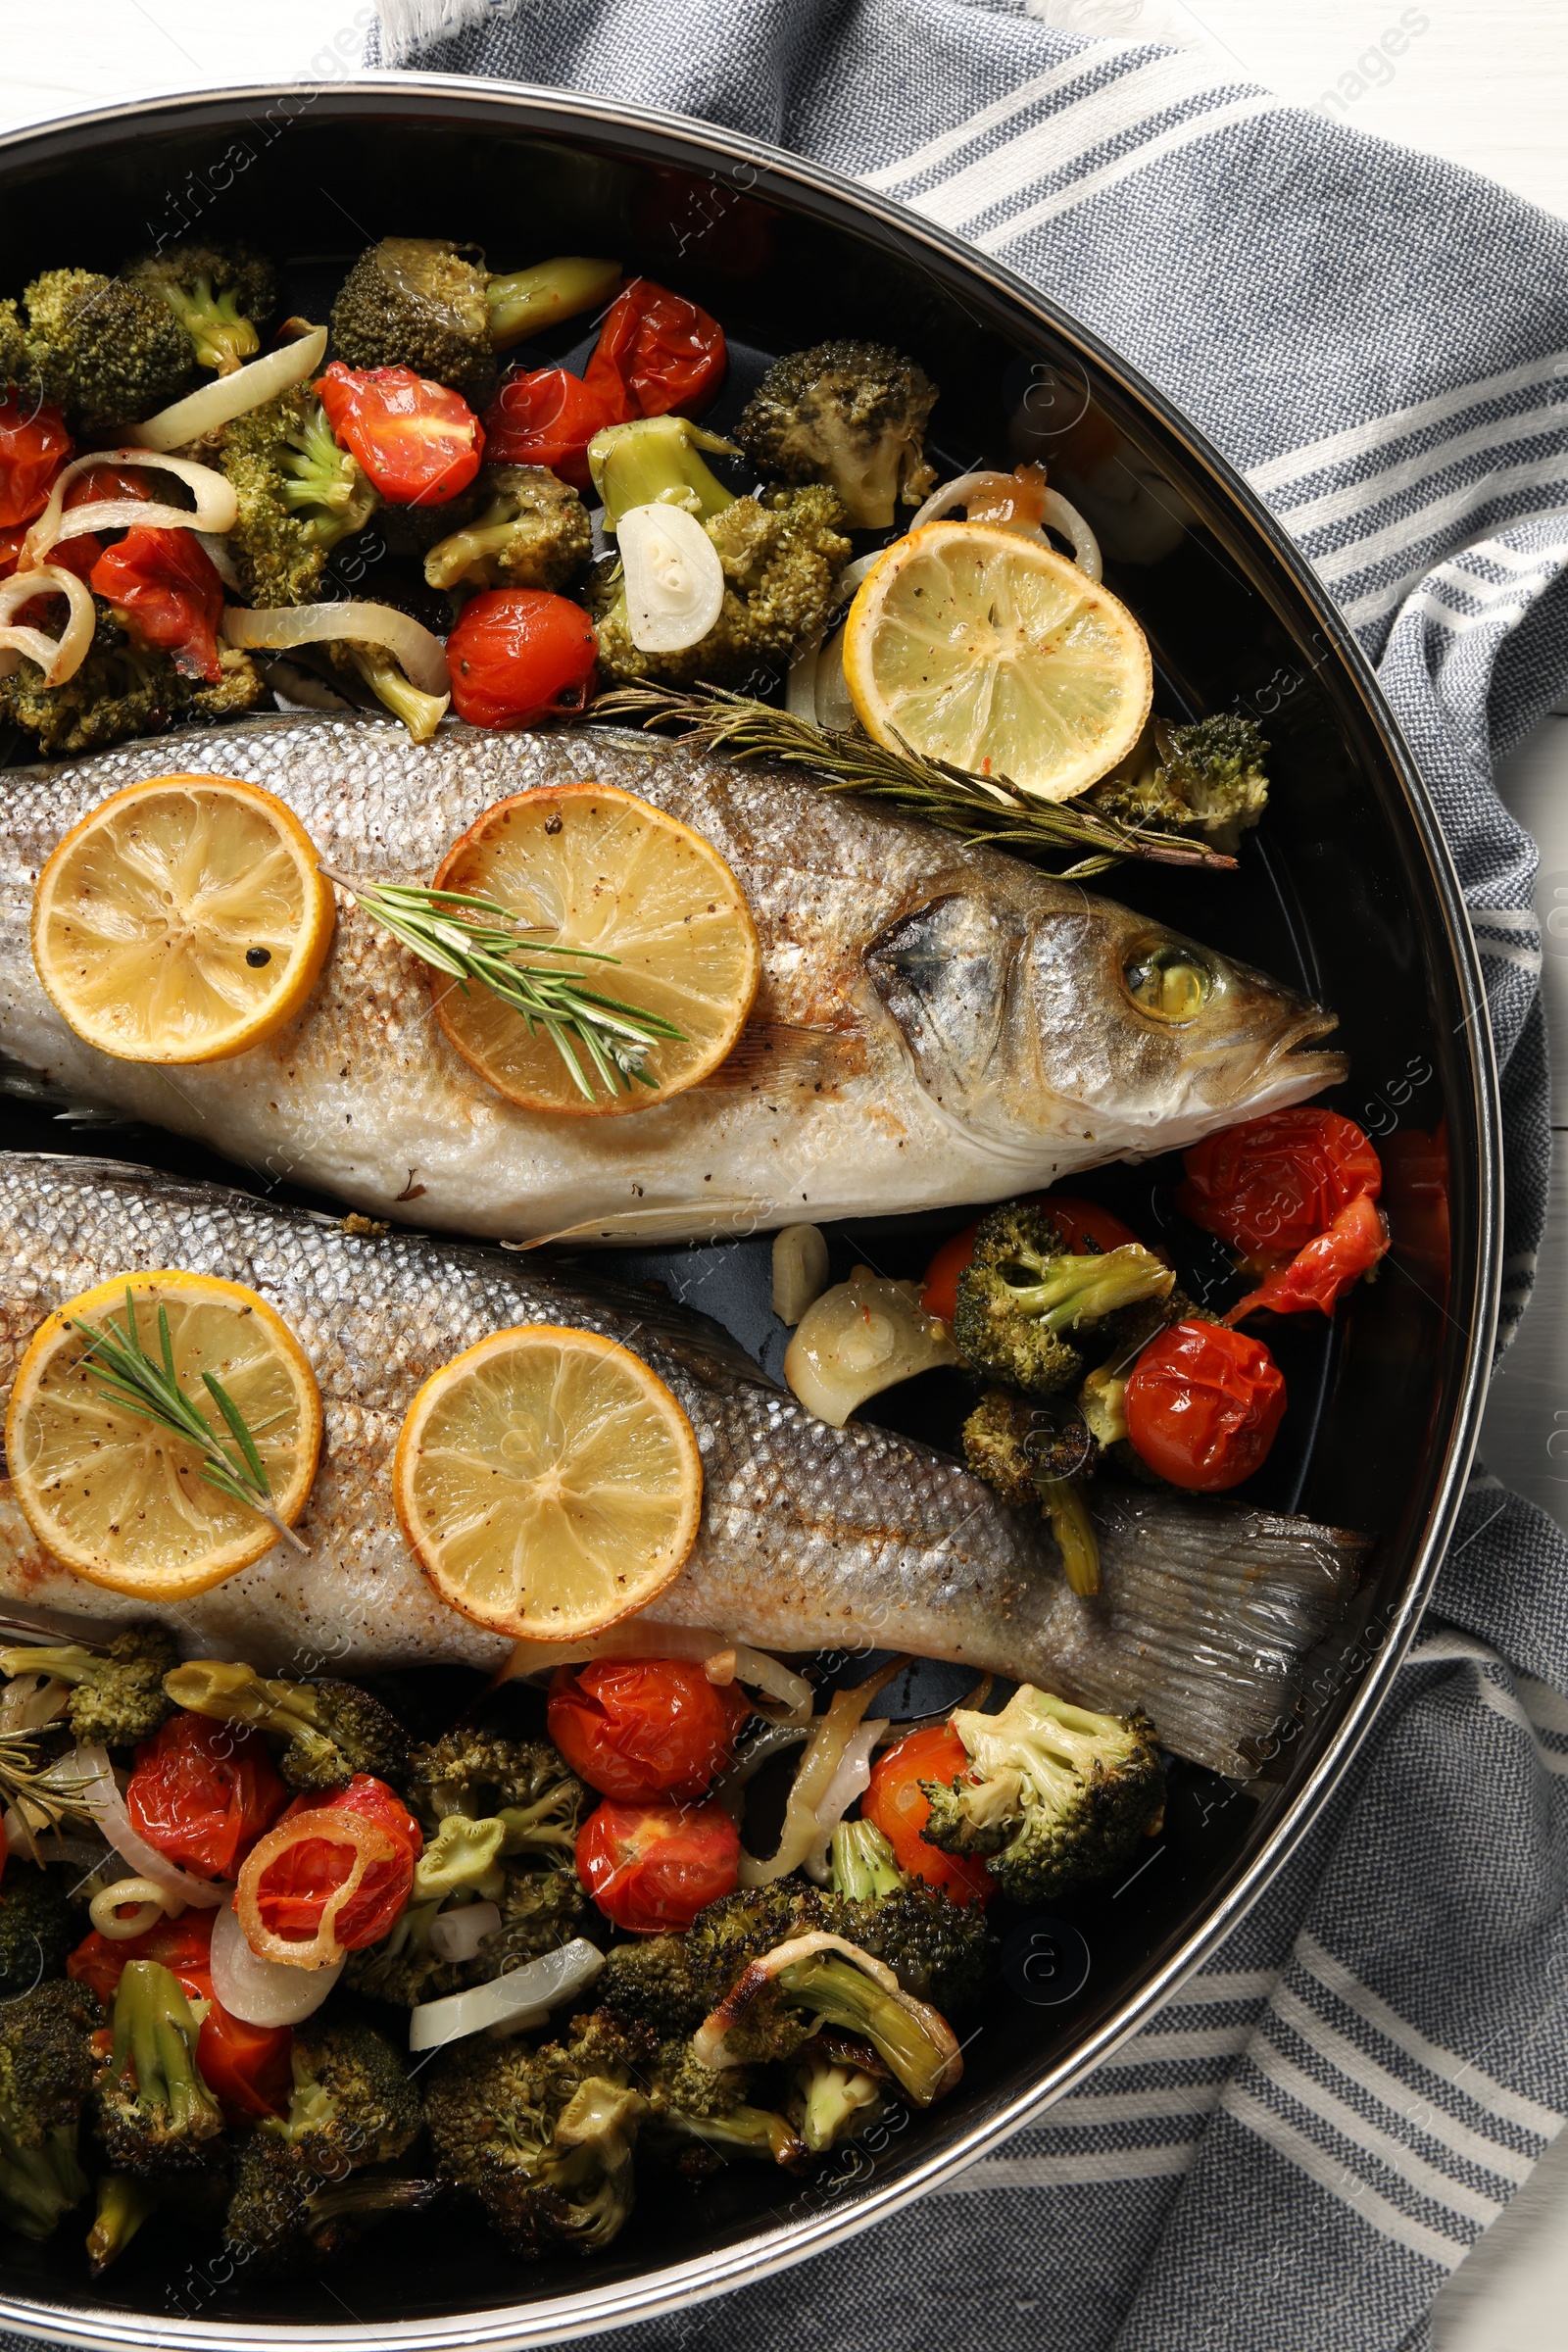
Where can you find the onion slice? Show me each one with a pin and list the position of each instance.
(1066, 519)
(59, 657)
(523, 1996)
(422, 657)
(263, 1992)
(457, 1933)
(100, 1795)
(152, 1903)
(852, 1776)
(229, 396)
(674, 580)
(334, 1825)
(214, 510)
(818, 1771)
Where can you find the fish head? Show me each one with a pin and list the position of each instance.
(1064, 1015)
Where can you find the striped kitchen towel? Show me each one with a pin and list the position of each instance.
(1302, 2147)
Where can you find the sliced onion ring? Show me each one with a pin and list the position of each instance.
(59, 657)
(523, 1996)
(214, 510)
(814, 1777)
(852, 1777)
(1066, 519)
(458, 1933)
(334, 1825)
(152, 1903)
(263, 1992)
(229, 396)
(100, 1795)
(424, 657)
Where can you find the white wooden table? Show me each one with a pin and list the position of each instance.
(1483, 83)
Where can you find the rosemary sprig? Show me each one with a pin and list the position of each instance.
(127, 1376)
(478, 942)
(994, 813)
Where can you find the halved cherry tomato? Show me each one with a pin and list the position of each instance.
(544, 417)
(202, 1793)
(421, 443)
(897, 1805)
(1273, 1183)
(666, 355)
(34, 445)
(1203, 1405)
(652, 1868)
(644, 1727)
(246, 2067)
(295, 1885)
(519, 655)
(1320, 1274)
(164, 587)
(1079, 1222)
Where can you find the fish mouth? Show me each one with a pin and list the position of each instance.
(1291, 1056)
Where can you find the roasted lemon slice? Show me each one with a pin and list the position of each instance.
(594, 867)
(120, 1498)
(974, 646)
(548, 1482)
(183, 920)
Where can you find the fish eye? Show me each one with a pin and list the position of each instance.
(1172, 983)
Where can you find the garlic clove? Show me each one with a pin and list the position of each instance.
(674, 580)
(859, 1338)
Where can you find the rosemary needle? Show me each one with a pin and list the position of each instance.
(127, 1376)
(980, 810)
(478, 940)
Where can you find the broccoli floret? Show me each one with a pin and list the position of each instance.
(788, 1994)
(1208, 776)
(838, 2091)
(781, 552)
(153, 2112)
(38, 1925)
(1023, 1290)
(351, 2103)
(852, 414)
(524, 1782)
(712, 2108)
(373, 666)
(544, 2138)
(45, 2077)
(1052, 1796)
(533, 532)
(1038, 1454)
(298, 495)
(221, 298)
(419, 303)
(112, 347)
(122, 690)
(24, 362)
(402, 1970)
(286, 2221)
(116, 1694)
(333, 1729)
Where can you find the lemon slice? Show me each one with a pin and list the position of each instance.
(999, 656)
(121, 1498)
(183, 920)
(548, 1482)
(595, 867)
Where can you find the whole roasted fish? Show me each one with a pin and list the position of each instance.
(810, 1537)
(937, 1024)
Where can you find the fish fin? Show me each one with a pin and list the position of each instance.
(49, 1093)
(793, 1054)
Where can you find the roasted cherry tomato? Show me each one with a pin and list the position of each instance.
(106, 481)
(644, 1727)
(202, 1793)
(897, 1805)
(1203, 1405)
(34, 445)
(1079, 1221)
(519, 655)
(1273, 1183)
(165, 588)
(418, 442)
(666, 355)
(295, 1885)
(1320, 1274)
(70, 555)
(544, 417)
(247, 2067)
(652, 1868)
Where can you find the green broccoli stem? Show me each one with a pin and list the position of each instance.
(67, 1664)
(124, 2204)
(862, 1861)
(223, 335)
(421, 714)
(1081, 1290)
(843, 1994)
(156, 2033)
(744, 2132)
(549, 1824)
(235, 1694)
(527, 301)
(654, 462)
(1102, 1401)
(358, 2195)
(1074, 1530)
(835, 2096)
(324, 482)
(39, 2185)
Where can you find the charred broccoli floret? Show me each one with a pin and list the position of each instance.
(153, 2111)
(1023, 1290)
(791, 1992)
(45, 2077)
(544, 2138)
(541, 1908)
(840, 2089)
(524, 1781)
(850, 415)
(1038, 1454)
(533, 532)
(711, 2110)
(24, 362)
(112, 349)
(333, 1729)
(122, 690)
(39, 1926)
(222, 297)
(298, 496)
(419, 303)
(1209, 777)
(117, 1691)
(1053, 1795)
(286, 2221)
(351, 2103)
